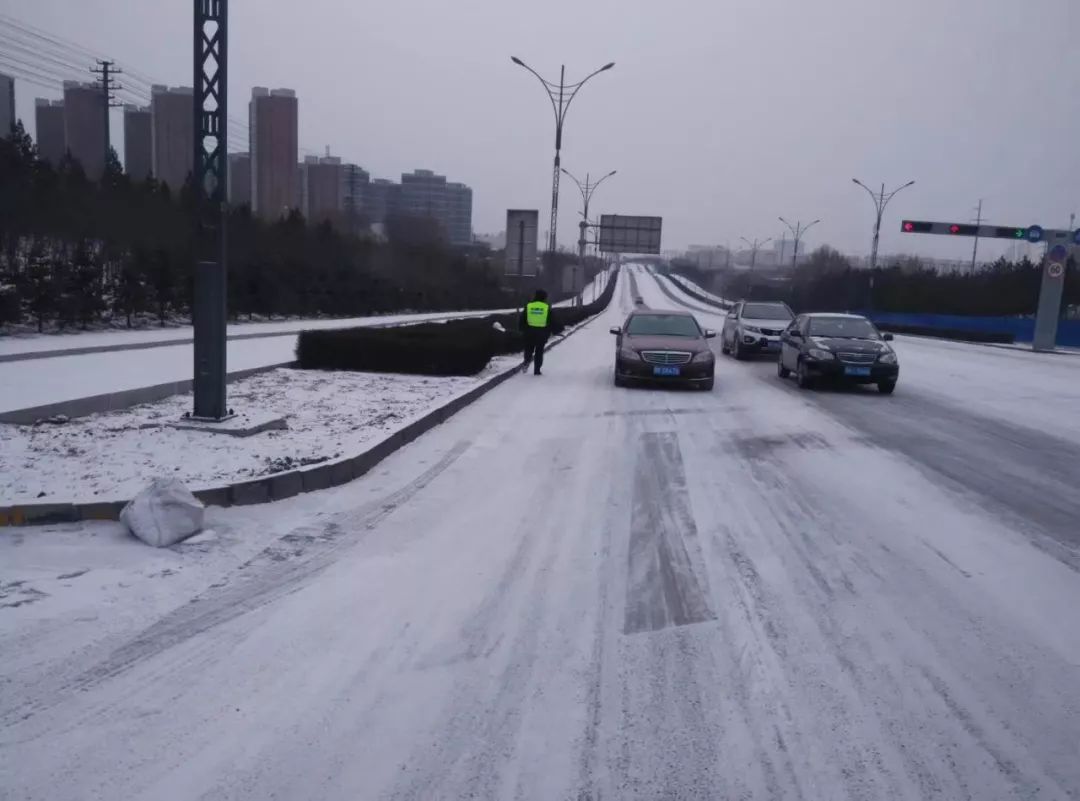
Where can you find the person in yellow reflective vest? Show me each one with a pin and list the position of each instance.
(536, 327)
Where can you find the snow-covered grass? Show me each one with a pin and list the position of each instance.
(697, 288)
(31, 342)
(112, 456)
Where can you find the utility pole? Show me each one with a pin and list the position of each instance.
(106, 79)
(881, 200)
(754, 247)
(586, 196)
(210, 109)
(561, 95)
(975, 246)
(797, 232)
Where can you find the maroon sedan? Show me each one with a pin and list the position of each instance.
(663, 347)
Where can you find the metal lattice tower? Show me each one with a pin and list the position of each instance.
(211, 175)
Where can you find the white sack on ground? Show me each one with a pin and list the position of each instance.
(164, 513)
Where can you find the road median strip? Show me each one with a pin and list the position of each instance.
(279, 486)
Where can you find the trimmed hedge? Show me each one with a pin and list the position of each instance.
(454, 347)
(948, 333)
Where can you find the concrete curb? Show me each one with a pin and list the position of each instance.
(111, 401)
(280, 485)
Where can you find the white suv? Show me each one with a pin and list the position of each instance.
(754, 327)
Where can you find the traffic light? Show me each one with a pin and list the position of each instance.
(963, 230)
(1010, 233)
(916, 227)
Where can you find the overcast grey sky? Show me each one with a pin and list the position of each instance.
(720, 115)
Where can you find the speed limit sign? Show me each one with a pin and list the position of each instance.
(1055, 269)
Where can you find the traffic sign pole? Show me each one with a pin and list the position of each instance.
(1050, 292)
(1059, 243)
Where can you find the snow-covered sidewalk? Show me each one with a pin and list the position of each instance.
(112, 456)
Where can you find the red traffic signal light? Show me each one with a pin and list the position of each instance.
(963, 230)
(916, 227)
(954, 229)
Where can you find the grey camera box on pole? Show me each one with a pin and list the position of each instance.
(522, 227)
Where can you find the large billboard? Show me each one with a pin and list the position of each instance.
(522, 226)
(622, 234)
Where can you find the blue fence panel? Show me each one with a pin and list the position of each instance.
(1022, 328)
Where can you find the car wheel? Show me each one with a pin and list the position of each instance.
(886, 387)
(781, 371)
(724, 349)
(802, 376)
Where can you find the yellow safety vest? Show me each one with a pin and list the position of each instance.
(536, 314)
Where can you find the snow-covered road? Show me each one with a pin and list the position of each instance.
(576, 592)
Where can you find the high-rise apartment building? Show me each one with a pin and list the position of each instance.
(323, 189)
(425, 194)
(239, 180)
(49, 126)
(459, 214)
(355, 181)
(138, 142)
(84, 126)
(7, 105)
(173, 126)
(275, 172)
(382, 200)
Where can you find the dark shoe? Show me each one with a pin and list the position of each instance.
(537, 372)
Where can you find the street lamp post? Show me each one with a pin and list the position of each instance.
(797, 232)
(754, 247)
(881, 200)
(561, 95)
(587, 190)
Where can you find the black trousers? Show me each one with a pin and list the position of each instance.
(534, 349)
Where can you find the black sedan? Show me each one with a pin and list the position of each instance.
(842, 347)
(663, 347)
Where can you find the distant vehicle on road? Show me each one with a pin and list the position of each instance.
(842, 347)
(663, 347)
(754, 327)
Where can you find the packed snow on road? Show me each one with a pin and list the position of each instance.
(573, 591)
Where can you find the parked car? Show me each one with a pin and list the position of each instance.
(754, 327)
(663, 347)
(842, 347)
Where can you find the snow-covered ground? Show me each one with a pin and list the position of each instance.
(574, 591)
(38, 382)
(697, 288)
(43, 343)
(112, 456)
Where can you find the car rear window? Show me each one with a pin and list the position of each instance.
(766, 311)
(843, 327)
(667, 325)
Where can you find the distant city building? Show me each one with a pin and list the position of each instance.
(383, 200)
(138, 142)
(459, 214)
(7, 105)
(425, 194)
(84, 126)
(49, 126)
(173, 134)
(239, 179)
(355, 182)
(323, 189)
(275, 172)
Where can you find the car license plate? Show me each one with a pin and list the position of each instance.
(669, 371)
(860, 371)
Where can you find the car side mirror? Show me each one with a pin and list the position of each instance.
(888, 337)
(710, 334)
(616, 330)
